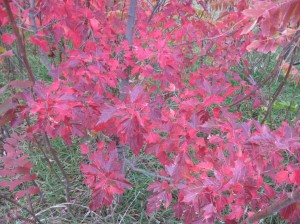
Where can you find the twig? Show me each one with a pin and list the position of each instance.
(273, 73)
(47, 159)
(63, 205)
(19, 41)
(129, 207)
(155, 175)
(156, 9)
(34, 30)
(60, 166)
(275, 207)
(20, 206)
(18, 5)
(279, 89)
(291, 102)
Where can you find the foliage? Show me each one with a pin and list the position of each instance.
(128, 85)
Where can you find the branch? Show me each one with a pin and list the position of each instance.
(60, 166)
(279, 89)
(19, 41)
(275, 207)
(20, 206)
(275, 70)
(156, 9)
(131, 21)
(155, 175)
(34, 29)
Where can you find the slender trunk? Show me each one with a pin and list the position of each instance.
(19, 41)
(131, 21)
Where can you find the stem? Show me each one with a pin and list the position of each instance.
(155, 175)
(156, 9)
(275, 70)
(60, 166)
(275, 207)
(279, 89)
(19, 41)
(34, 29)
(291, 103)
(47, 159)
(20, 206)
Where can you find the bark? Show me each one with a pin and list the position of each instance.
(131, 21)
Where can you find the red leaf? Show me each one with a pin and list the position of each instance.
(7, 105)
(295, 176)
(256, 102)
(43, 44)
(84, 149)
(249, 27)
(8, 38)
(282, 176)
(7, 54)
(7, 117)
(28, 191)
(162, 194)
(236, 212)
(135, 93)
(291, 212)
(107, 112)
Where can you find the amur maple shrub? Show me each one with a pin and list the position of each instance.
(137, 78)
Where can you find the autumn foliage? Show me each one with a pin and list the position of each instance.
(136, 78)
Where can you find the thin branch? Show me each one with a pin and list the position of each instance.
(291, 103)
(275, 207)
(155, 175)
(60, 166)
(34, 30)
(20, 206)
(64, 205)
(19, 41)
(279, 89)
(156, 9)
(47, 159)
(273, 73)
(18, 5)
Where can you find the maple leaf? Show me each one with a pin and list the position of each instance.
(282, 176)
(17, 168)
(295, 176)
(291, 212)
(84, 149)
(104, 176)
(162, 193)
(8, 38)
(107, 112)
